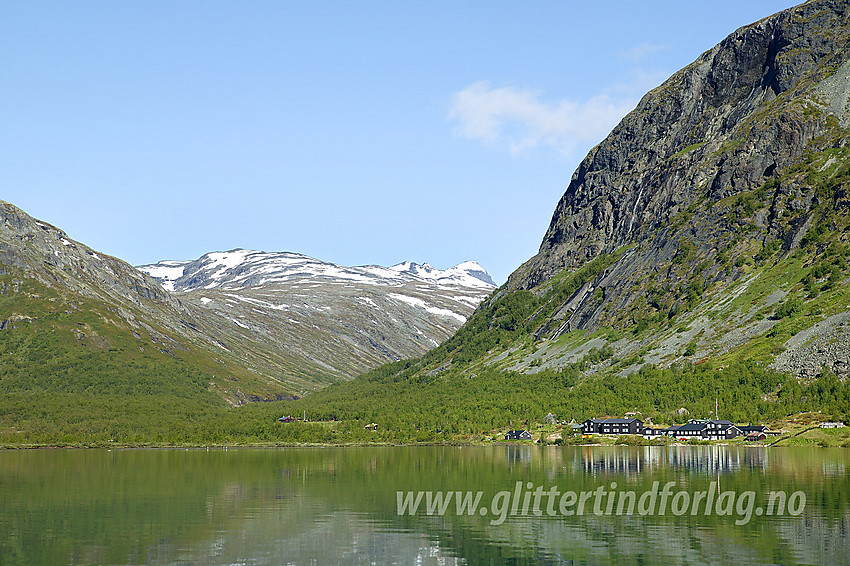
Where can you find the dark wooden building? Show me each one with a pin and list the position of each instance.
(705, 429)
(613, 426)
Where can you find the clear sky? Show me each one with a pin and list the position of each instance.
(356, 132)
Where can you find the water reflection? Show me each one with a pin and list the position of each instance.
(518, 454)
(338, 506)
(640, 460)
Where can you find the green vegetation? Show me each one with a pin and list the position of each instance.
(813, 435)
(409, 406)
(688, 149)
(789, 308)
(71, 375)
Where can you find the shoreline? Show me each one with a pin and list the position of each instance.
(155, 446)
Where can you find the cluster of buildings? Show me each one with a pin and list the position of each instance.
(695, 429)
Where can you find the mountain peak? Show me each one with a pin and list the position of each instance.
(240, 268)
(731, 121)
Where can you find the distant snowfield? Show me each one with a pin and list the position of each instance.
(237, 269)
(280, 295)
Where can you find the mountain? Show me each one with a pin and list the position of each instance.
(729, 180)
(316, 322)
(93, 348)
(697, 260)
(238, 269)
(290, 322)
(706, 238)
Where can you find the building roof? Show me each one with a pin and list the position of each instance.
(690, 426)
(613, 421)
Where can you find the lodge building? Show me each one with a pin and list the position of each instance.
(612, 426)
(695, 429)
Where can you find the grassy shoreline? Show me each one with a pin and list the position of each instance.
(812, 438)
(261, 430)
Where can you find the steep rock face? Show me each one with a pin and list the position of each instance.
(741, 114)
(737, 120)
(711, 225)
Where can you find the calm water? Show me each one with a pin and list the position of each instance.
(339, 506)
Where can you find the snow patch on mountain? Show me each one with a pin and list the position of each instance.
(238, 269)
(167, 272)
(416, 302)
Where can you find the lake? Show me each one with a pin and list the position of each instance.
(537, 505)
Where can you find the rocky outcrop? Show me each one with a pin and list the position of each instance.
(739, 115)
(45, 253)
(732, 123)
(824, 345)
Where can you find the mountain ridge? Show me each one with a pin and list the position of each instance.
(728, 127)
(238, 268)
(293, 323)
(340, 320)
(700, 252)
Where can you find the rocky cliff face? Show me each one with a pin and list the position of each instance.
(737, 118)
(711, 223)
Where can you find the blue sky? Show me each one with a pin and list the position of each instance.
(356, 132)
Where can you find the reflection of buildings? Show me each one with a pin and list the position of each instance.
(833, 469)
(714, 459)
(518, 454)
(597, 460)
(700, 459)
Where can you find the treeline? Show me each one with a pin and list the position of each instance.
(57, 391)
(442, 408)
(453, 403)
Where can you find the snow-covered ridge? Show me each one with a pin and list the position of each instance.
(237, 269)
